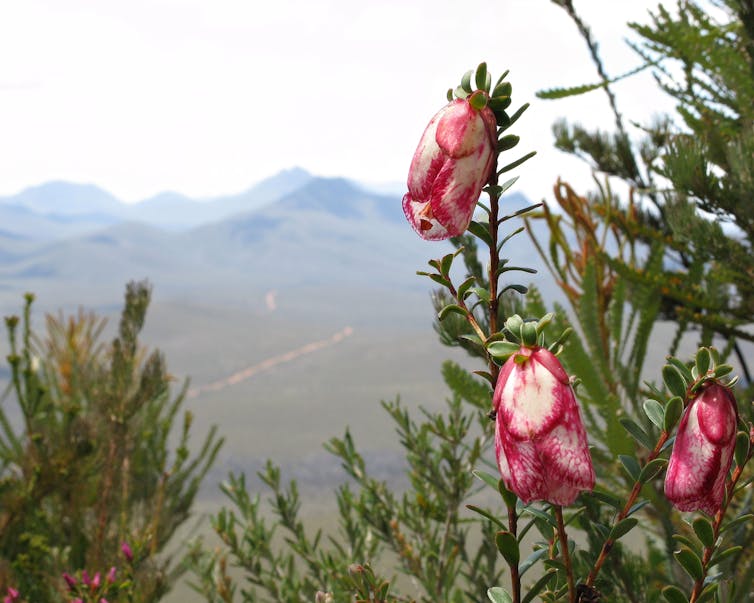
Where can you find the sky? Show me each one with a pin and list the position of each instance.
(208, 97)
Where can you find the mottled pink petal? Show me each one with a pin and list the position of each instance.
(530, 400)
(460, 130)
(703, 451)
(540, 440)
(451, 165)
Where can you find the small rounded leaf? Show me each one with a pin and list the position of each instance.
(690, 562)
(673, 412)
(466, 81)
(674, 381)
(498, 594)
(656, 413)
(742, 448)
(623, 527)
(651, 469)
(704, 532)
(508, 547)
(529, 334)
(673, 594)
(703, 361)
(502, 350)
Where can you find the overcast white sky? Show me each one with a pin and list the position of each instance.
(208, 97)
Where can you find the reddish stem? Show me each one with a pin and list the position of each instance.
(608, 545)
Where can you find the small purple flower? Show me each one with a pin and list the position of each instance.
(69, 580)
(111, 575)
(127, 552)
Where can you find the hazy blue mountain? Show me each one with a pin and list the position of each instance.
(58, 198)
(330, 237)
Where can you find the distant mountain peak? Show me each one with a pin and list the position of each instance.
(63, 198)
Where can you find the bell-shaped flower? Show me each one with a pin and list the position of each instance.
(451, 165)
(703, 451)
(540, 440)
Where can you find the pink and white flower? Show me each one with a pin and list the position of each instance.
(451, 165)
(703, 451)
(540, 440)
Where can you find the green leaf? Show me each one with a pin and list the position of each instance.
(465, 286)
(514, 118)
(513, 324)
(651, 469)
(514, 164)
(623, 527)
(451, 309)
(503, 89)
(674, 380)
(449, 95)
(721, 370)
(609, 499)
(445, 263)
(466, 81)
(704, 532)
(499, 104)
(508, 547)
(703, 361)
(482, 293)
(507, 142)
(502, 350)
(637, 432)
(487, 478)
(690, 562)
(483, 80)
(721, 556)
(631, 465)
(529, 333)
(538, 586)
(539, 514)
(673, 594)
(514, 287)
(656, 413)
(673, 412)
(481, 231)
(681, 368)
(733, 523)
(460, 92)
(507, 184)
(635, 507)
(531, 560)
(497, 594)
(742, 448)
(486, 514)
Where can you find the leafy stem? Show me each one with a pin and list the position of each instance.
(709, 550)
(610, 541)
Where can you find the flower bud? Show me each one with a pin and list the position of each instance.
(454, 160)
(127, 552)
(69, 580)
(111, 575)
(703, 451)
(540, 440)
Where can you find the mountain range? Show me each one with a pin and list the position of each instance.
(77, 244)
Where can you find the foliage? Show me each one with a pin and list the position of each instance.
(85, 459)
(620, 271)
